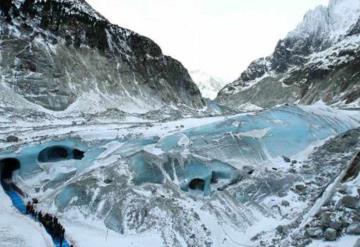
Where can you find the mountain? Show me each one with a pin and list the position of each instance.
(61, 53)
(318, 61)
(209, 85)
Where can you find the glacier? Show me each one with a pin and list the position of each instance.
(226, 169)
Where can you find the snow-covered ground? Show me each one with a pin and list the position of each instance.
(121, 212)
(18, 230)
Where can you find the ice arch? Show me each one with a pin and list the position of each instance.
(59, 153)
(7, 167)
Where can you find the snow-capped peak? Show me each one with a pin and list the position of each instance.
(329, 23)
(209, 85)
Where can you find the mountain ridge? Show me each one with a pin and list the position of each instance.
(323, 48)
(68, 50)
(209, 85)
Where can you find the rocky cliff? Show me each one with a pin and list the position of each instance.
(61, 53)
(319, 60)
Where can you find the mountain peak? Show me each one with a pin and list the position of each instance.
(330, 23)
(209, 85)
(316, 61)
(63, 50)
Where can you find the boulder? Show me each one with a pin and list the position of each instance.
(285, 203)
(12, 138)
(282, 230)
(325, 219)
(300, 188)
(314, 232)
(344, 189)
(353, 229)
(349, 202)
(330, 234)
(286, 159)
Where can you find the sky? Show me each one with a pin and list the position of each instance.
(219, 37)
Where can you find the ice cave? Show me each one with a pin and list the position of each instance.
(7, 167)
(58, 153)
(190, 173)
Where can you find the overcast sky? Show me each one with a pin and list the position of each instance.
(220, 37)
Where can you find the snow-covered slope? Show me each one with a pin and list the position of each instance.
(209, 85)
(18, 230)
(329, 24)
(319, 60)
(60, 53)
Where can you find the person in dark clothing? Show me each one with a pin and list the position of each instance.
(62, 235)
(39, 216)
(28, 205)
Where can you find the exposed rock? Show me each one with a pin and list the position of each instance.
(330, 234)
(300, 188)
(282, 230)
(285, 203)
(74, 51)
(314, 232)
(286, 159)
(319, 60)
(344, 189)
(353, 170)
(349, 202)
(325, 219)
(353, 229)
(12, 139)
(108, 181)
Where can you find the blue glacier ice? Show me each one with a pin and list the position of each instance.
(29, 155)
(204, 158)
(207, 157)
(214, 174)
(286, 130)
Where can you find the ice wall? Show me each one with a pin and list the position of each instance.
(250, 138)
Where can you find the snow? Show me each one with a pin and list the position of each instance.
(346, 241)
(330, 23)
(96, 234)
(195, 140)
(19, 230)
(209, 85)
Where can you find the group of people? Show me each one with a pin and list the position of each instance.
(50, 222)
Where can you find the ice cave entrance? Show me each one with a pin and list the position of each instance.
(8, 166)
(59, 153)
(197, 184)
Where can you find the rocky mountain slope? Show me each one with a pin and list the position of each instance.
(209, 85)
(319, 60)
(58, 53)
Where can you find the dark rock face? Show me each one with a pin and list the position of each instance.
(330, 234)
(57, 50)
(5, 7)
(315, 233)
(355, 29)
(350, 202)
(12, 139)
